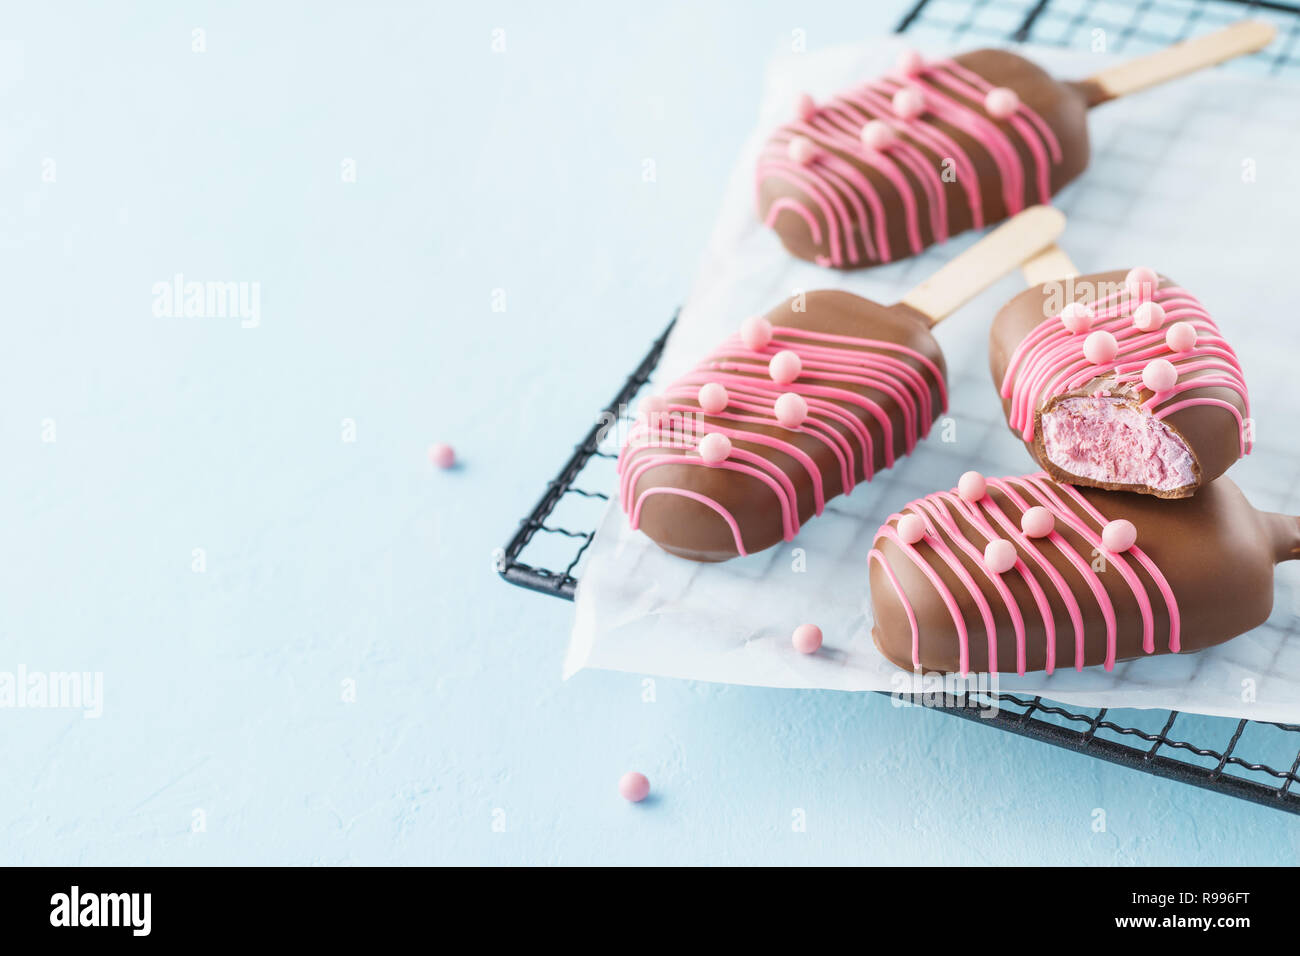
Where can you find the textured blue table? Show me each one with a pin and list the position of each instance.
(306, 654)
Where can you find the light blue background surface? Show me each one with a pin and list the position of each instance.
(332, 561)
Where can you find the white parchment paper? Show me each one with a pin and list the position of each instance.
(1197, 179)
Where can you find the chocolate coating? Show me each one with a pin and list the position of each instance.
(1211, 432)
(689, 528)
(1216, 552)
(1062, 107)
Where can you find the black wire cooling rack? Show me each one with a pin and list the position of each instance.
(1140, 739)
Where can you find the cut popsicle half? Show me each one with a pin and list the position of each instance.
(1119, 380)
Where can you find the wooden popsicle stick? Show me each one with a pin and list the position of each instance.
(1243, 37)
(1050, 264)
(1286, 536)
(986, 262)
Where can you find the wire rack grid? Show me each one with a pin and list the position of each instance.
(1143, 740)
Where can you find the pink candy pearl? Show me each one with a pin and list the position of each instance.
(1000, 555)
(634, 786)
(785, 367)
(1037, 522)
(1149, 316)
(1159, 375)
(1077, 317)
(911, 528)
(802, 150)
(791, 410)
(1118, 536)
(1181, 337)
(756, 332)
(910, 63)
(653, 404)
(1002, 102)
(909, 103)
(713, 398)
(972, 486)
(442, 455)
(715, 447)
(807, 108)
(1141, 282)
(1100, 348)
(878, 135)
(807, 638)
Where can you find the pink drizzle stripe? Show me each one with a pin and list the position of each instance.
(932, 509)
(814, 227)
(827, 200)
(722, 512)
(835, 190)
(1071, 510)
(834, 123)
(1162, 585)
(1093, 537)
(948, 598)
(1029, 126)
(831, 364)
(907, 608)
(878, 104)
(1049, 361)
(982, 129)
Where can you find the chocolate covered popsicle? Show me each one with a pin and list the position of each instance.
(1024, 574)
(932, 149)
(1120, 380)
(801, 405)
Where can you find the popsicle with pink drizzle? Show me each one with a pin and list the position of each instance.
(1024, 574)
(801, 405)
(934, 148)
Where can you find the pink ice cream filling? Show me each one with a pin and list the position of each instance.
(1096, 438)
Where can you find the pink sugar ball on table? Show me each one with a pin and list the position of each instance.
(807, 638)
(442, 455)
(634, 787)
